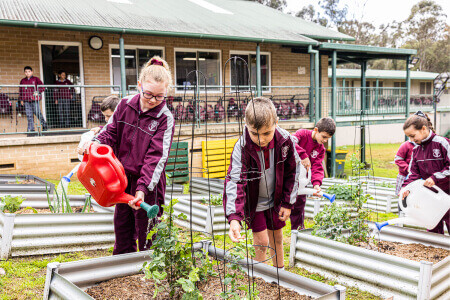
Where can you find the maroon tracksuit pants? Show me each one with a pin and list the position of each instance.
(131, 225)
(298, 213)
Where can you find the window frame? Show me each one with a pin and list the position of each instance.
(196, 50)
(130, 47)
(243, 52)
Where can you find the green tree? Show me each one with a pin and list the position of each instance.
(426, 31)
(308, 13)
(277, 4)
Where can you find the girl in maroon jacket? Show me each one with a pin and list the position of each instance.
(140, 133)
(402, 160)
(430, 159)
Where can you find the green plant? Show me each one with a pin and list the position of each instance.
(344, 191)
(239, 252)
(60, 202)
(386, 184)
(186, 188)
(11, 204)
(214, 200)
(346, 223)
(174, 261)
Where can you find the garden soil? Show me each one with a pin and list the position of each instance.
(136, 287)
(416, 252)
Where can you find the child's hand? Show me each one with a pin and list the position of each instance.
(429, 182)
(80, 150)
(306, 163)
(139, 196)
(235, 231)
(318, 189)
(95, 130)
(284, 214)
(405, 194)
(86, 146)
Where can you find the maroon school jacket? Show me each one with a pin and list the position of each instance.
(27, 93)
(63, 92)
(403, 157)
(431, 159)
(141, 141)
(241, 189)
(314, 151)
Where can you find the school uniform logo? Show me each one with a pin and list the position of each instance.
(314, 154)
(153, 125)
(284, 152)
(436, 153)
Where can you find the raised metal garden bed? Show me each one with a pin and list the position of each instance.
(10, 184)
(204, 218)
(35, 234)
(379, 273)
(69, 280)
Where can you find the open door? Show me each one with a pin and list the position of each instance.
(55, 57)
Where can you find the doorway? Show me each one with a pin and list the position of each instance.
(55, 57)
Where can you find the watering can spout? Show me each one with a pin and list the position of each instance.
(102, 174)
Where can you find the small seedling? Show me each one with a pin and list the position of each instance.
(11, 204)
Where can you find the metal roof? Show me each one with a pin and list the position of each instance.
(383, 74)
(216, 19)
(366, 49)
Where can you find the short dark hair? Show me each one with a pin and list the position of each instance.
(61, 71)
(326, 124)
(110, 102)
(27, 68)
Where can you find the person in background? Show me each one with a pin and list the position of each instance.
(63, 97)
(31, 96)
(402, 160)
(430, 159)
(312, 153)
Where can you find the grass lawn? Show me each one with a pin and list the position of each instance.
(380, 156)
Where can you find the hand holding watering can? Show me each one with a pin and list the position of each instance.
(102, 174)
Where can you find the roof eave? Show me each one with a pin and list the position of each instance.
(117, 30)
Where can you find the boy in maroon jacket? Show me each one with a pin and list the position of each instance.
(312, 153)
(402, 160)
(63, 97)
(31, 96)
(262, 181)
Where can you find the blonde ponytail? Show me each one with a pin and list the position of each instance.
(156, 69)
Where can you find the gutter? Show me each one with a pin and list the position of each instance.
(316, 82)
(117, 30)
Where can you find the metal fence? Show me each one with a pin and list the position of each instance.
(44, 109)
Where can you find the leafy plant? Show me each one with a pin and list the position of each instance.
(11, 204)
(214, 200)
(239, 252)
(60, 202)
(173, 261)
(186, 188)
(386, 184)
(346, 223)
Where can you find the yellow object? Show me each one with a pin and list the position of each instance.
(216, 157)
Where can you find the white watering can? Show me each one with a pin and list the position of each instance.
(64, 183)
(423, 207)
(305, 179)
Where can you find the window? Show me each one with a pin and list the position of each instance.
(399, 84)
(240, 75)
(425, 88)
(207, 62)
(134, 61)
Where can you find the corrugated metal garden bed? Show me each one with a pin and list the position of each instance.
(378, 273)
(69, 280)
(30, 184)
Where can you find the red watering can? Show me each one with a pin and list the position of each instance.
(102, 174)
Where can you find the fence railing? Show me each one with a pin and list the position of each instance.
(35, 110)
(378, 101)
(64, 108)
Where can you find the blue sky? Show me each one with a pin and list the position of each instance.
(376, 12)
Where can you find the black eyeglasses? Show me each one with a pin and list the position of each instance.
(150, 96)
